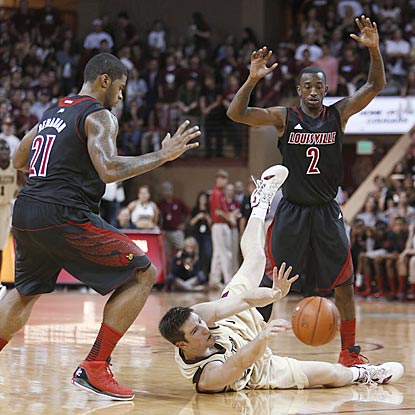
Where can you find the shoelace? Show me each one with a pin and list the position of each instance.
(269, 192)
(257, 182)
(360, 356)
(374, 376)
(109, 378)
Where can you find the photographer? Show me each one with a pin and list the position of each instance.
(186, 273)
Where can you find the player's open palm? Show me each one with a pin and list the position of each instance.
(369, 36)
(281, 280)
(259, 60)
(174, 146)
(274, 327)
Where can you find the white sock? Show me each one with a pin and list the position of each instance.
(259, 212)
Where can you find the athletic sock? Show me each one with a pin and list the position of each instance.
(259, 212)
(3, 343)
(348, 333)
(104, 344)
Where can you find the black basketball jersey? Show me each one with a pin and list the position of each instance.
(312, 151)
(60, 169)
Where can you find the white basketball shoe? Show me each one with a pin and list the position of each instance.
(266, 187)
(382, 374)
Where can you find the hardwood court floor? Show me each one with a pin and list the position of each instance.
(36, 367)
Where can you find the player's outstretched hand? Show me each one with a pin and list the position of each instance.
(174, 146)
(280, 279)
(259, 60)
(369, 36)
(274, 327)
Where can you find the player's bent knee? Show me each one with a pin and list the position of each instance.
(149, 276)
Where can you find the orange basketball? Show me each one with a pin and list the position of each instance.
(315, 321)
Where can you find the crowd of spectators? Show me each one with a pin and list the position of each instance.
(382, 235)
(177, 76)
(173, 76)
(189, 233)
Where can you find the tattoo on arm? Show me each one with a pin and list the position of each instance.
(102, 131)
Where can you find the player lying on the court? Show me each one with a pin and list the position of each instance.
(222, 345)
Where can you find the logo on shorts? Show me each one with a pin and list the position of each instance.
(130, 257)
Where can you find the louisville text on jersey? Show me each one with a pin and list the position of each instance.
(312, 138)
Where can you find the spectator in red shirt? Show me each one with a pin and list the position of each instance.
(221, 264)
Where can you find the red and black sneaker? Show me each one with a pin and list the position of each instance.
(97, 377)
(352, 356)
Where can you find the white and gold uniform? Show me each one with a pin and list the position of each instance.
(8, 189)
(269, 372)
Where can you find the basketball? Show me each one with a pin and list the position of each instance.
(315, 321)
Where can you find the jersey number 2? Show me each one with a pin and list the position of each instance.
(314, 153)
(41, 146)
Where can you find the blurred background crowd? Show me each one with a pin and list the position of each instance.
(178, 76)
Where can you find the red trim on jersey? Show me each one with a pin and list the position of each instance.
(69, 101)
(300, 116)
(345, 272)
(323, 115)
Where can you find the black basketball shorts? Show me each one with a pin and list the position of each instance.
(313, 240)
(50, 237)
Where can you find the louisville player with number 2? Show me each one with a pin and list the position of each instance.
(70, 155)
(308, 227)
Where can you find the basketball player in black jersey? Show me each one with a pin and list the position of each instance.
(70, 155)
(308, 230)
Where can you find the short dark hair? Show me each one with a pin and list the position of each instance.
(171, 322)
(400, 219)
(312, 69)
(104, 63)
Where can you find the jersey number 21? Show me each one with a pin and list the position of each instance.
(42, 147)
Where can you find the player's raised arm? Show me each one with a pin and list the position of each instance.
(376, 79)
(213, 311)
(238, 109)
(102, 130)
